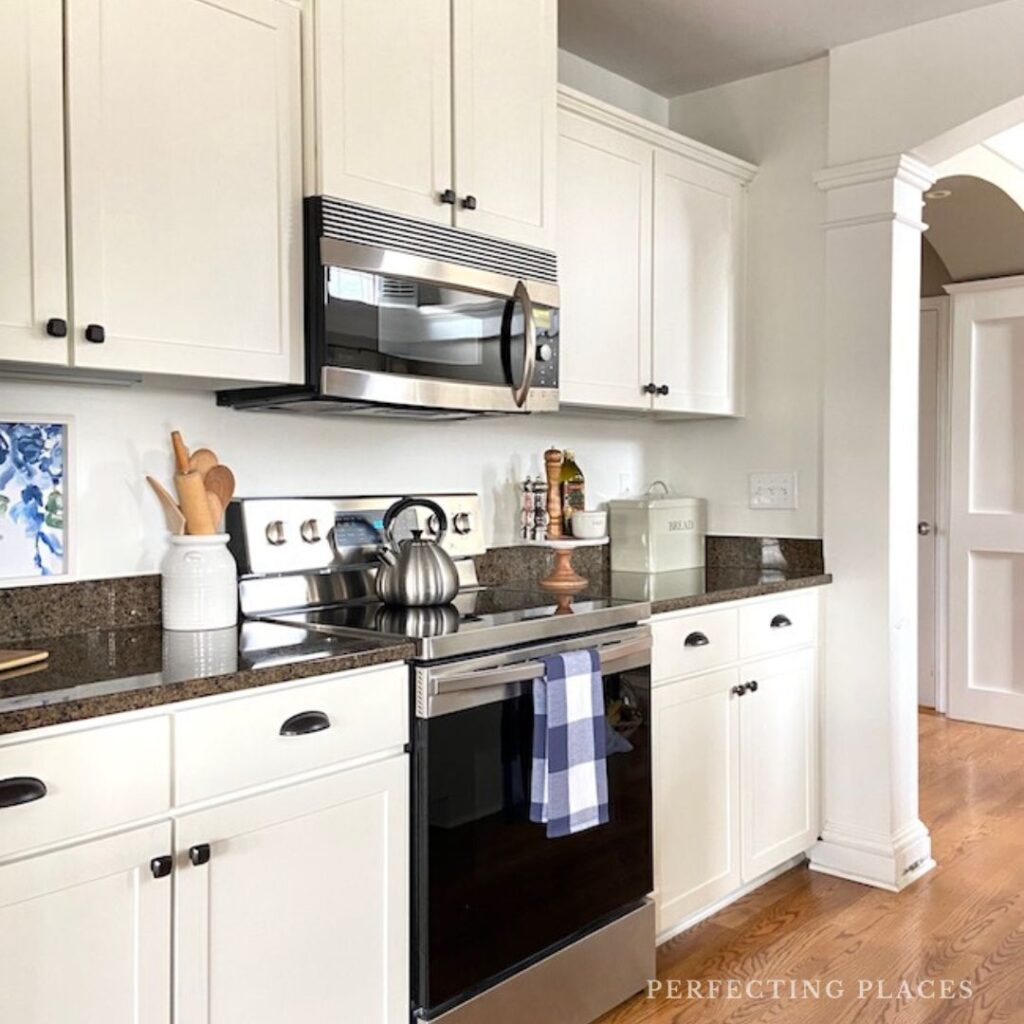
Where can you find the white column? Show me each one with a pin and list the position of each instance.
(871, 830)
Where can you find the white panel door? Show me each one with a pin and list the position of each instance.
(696, 794)
(382, 132)
(33, 285)
(301, 912)
(85, 933)
(986, 534)
(697, 278)
(185, 186)
(778, 760)
(604, 255)
(505, 96)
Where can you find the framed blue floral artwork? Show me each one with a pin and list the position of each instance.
(34, 472)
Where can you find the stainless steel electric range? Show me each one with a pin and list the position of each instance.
(506, 923)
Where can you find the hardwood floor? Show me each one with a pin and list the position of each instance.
(964, 921)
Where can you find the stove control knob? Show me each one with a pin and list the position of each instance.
(461, 523)
(433, 525)
(275, 533)
(544, 352)
(310, 531)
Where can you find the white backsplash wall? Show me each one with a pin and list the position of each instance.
(122, 434)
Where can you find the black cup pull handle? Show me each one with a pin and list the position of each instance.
(21, 789)
(781, 622)
(161, 866)
(199, 854)
(739, 691)
(696, 639)
(304, 723)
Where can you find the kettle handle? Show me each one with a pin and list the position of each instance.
(400, 506)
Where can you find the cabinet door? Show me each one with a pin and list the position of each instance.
(301, 911)
(697, 279)
(382, 131)
(696, 794)
(505, 95)
(85, 933)
(778, 770)
(184, 135)
(604, 249)
(33, 287)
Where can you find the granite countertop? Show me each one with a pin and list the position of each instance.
(107, 671)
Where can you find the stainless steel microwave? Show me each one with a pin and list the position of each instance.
(405, 317)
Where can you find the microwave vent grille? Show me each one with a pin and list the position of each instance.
(364, 225)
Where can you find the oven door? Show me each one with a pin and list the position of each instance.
(398, 329)
(491, 892)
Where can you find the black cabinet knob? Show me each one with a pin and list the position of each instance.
(739, 691)
(448, 196)
(781, 622)
(199, 854)
(662, 389)
(56, 327)
(161, 866)
(697, 639)
(96, 334)
(469, 203)
(650, 389)
(304, 723)
(21, 789)
(752, 686)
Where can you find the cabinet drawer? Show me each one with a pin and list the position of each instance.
(694, 643)
(778, 625)
(94, 779)
(240, 743)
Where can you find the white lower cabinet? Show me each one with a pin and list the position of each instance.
(735, 761)
(85, 933)
(291, 905)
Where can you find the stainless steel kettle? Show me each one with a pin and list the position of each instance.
(416, 572)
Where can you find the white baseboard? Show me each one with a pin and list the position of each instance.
(713, 908)
(884, 862)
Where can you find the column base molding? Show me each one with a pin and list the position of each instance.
(885, 862)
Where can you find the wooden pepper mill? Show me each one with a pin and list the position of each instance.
(553, 468)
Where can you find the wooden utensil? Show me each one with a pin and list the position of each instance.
(221, 481)
(552, 468)
(181, 456)
(172, 513)
(216, 510)
(18, 659)
(202, 461)
(194, 504)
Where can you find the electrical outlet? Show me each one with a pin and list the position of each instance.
(772, 490)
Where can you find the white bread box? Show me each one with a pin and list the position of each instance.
(658, 532)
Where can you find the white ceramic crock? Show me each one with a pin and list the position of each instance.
(199, 584)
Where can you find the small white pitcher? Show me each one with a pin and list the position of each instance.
(199, 583)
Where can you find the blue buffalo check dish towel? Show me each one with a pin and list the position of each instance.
(569, 782)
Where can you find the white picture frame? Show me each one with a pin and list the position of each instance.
(14, 571)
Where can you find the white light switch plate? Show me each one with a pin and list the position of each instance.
(773, 490)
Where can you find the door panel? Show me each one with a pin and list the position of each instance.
(301, 912)
(383, 103)
(778, 761)
(505, 82)
(696, 286)
(33, 285)
(184, 134)
(85, 933)
(696, 794)
(604, 247)
(986, 543)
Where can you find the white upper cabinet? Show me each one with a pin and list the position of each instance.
(184, 140)
(604, 229)
(381, 116)
(651, 271)
(505, 75)
(437, 109)
(697, 285)
(33, 287)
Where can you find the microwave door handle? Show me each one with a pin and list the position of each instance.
(522, 295)
(526, 671)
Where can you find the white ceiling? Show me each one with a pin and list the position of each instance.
(679, 46)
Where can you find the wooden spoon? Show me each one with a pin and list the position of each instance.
(216, 510)
(172, 513)
(202, 461)
(180, 452)
(221, 481)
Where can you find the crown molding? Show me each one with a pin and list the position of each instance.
(906, 169)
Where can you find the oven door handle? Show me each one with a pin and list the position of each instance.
(522, 295)
(526, 671)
